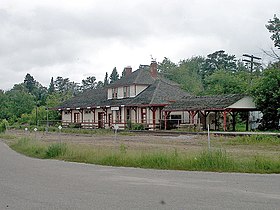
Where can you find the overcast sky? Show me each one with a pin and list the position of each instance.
(81, 38)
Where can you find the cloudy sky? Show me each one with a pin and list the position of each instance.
(80, 38)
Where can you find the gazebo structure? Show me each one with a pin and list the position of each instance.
(228, 105)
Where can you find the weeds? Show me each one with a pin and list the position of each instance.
(254, 139)
(55, 150)
(205, 160)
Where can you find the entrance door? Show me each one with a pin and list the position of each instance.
(100, 120)
(76, 117)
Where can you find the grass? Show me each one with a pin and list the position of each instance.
(204, 160)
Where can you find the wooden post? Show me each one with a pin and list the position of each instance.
(165, 120)
(225, 120)
(233, 121)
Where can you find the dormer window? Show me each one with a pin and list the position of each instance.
(126, 91)
(115, 93)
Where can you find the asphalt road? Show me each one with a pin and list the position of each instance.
(27, 183)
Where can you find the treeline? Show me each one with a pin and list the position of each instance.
(217, 73)
(28, 102)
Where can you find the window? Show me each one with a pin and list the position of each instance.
(114, 93)
(87, 111)
(118, 116)
(143, 115)
(66, 112)
(126, 91)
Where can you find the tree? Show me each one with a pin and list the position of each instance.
(217, 61)
(225, 82)
(17, 103)
(185, 73)
(114, 75)
(166, 67)
(99, 84)
(267, 97)
(51, 87)
(89, 83)
(29, 82)
(64, 86)
(273, 27)
(106, 80)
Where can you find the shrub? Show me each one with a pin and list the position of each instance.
(137, 126)
(55, 150)
(3, 126)
(216, 160)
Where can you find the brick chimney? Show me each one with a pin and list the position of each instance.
(153, 69)
(127, 70)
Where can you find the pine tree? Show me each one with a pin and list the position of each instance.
(29, 82)
(114, 75)
(106, 81)
(51, 87)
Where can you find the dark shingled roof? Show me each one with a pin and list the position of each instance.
(160, 91)
(88, 98)
(140, 77)
(194, 103)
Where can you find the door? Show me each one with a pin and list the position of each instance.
(76, 117)
(100, 120)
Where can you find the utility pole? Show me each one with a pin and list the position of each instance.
(252, 64)
(251, 61)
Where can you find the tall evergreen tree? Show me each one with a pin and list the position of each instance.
(29, 82)
(51, 87)
(114, 75)
(106, 80)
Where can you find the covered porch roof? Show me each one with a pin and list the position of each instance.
(213, 103)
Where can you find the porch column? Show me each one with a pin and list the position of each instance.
(233, 121)
(154, 109)
(93, 112)
(225, 120)
(247, 121)
(192, 113)
(215, 120)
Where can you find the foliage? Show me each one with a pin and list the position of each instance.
(266, 93)
(3, 125)
(217, 61)
(137, 126)
(205, 160)
(166, 67)
(114, 75)
(186, 73)
(17, 103)
(106, 80)
(89, 83)
(51, 87)
(55, 150)
(225, 82)
(273, 27)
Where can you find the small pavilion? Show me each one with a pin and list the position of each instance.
(228, 105)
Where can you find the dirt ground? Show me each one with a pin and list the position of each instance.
(152, 142)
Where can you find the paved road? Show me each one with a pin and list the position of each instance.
(27, 183)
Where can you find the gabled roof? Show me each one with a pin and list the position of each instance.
(217, 102)
(89, 98)
(160, 92)
(141, 76)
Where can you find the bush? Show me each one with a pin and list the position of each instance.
(55, 150)
(137, 126)
(3, 126)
